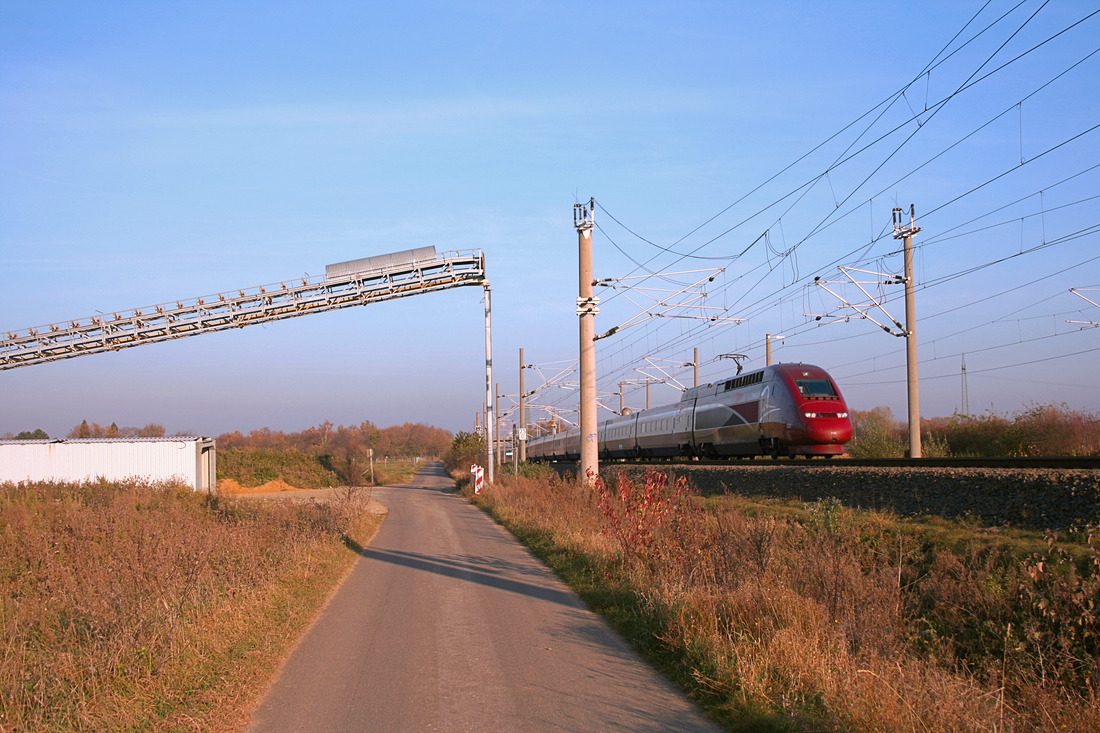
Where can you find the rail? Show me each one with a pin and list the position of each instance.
(1070, 462)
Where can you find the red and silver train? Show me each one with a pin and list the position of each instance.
(780, 410)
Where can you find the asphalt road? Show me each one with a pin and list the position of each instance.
(447, 623)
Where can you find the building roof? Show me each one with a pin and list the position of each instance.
(165, 439)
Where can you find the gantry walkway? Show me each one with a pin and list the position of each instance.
(346, 284)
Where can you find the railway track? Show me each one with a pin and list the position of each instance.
(1070, 462)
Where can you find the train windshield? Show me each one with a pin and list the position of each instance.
(815, 388)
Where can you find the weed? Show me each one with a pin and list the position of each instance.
(139, 606)
(1039, 430)
(818, 617)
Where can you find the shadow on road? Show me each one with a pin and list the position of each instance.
(465, 569)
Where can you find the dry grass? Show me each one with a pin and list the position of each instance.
(825, 619)
(141, 607)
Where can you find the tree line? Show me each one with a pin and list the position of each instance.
(408, 440)
(92, 430)
(325, 453)
(1038, 430)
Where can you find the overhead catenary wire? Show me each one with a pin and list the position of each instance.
(759, 302)
(970, 82)
(986, 183)
(795, 331)
(752, 291)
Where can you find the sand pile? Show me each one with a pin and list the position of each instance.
(230, 486)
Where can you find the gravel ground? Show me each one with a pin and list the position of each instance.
(1022, 497)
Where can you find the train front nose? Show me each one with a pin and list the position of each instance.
(828, 427)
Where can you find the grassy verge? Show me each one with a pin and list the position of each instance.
(957, 535)
(778, 616)
(138, 607)
(249, 468)
(393, 473)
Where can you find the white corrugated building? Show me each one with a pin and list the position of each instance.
(187, 459)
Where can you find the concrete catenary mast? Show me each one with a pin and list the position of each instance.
(587, 308)
(905, 232)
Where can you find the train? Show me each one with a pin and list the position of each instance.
(780, 410)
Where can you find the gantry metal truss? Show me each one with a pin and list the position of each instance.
(345, 285)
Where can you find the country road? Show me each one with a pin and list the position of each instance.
(447, 623)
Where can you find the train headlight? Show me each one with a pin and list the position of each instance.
(810, 414)
(842, 414)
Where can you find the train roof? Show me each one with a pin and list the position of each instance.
(757, 375)
(802, 370)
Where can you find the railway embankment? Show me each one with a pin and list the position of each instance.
(1022, 497)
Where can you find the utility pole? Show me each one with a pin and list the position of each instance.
(479, 434)
(621, 403)
(905, 232)
(587, 308)
(489, 405)
(496, 426)
(965, 396)
(522, 413)
(696, 364)
(647, 393)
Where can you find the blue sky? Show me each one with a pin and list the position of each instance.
(157, 151)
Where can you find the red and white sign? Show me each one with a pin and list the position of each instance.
(477, 474)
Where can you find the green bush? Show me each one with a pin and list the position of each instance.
(1039, 430)
(1053, 430)
(465, 450)
(542, 471)
(255, 466)
(975, 436)
(876, 435)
